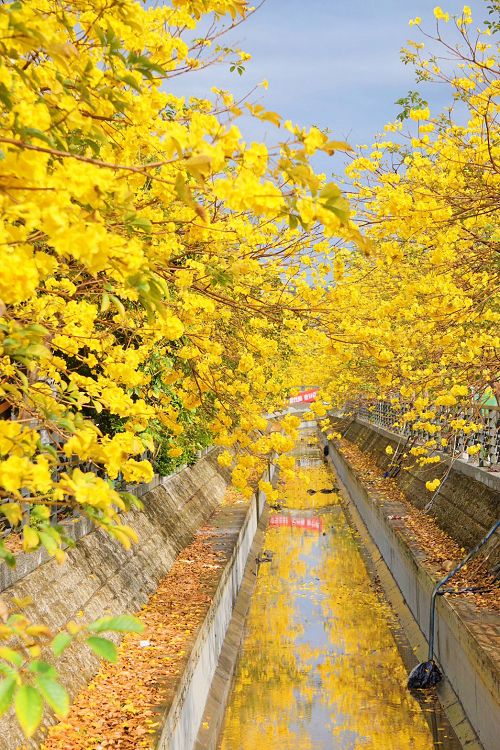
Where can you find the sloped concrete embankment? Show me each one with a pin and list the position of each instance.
(468, 503)
(101, 577)
(465, 637)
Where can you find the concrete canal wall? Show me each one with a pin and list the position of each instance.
(101, 577)
(181, 723)
(468, 503)
(465, 637)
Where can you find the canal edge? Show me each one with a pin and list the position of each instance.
(180, 722)
(382, 575)
(212, 722)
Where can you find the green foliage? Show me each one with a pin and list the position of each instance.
(30, 681)
(119, 624)
(61, 643)
(240, 69)
(28, 704)
(103, 648)
(493, 24)
(412, 100)
(54, 694)
(6, 693)
(6, 555)
(196, 434)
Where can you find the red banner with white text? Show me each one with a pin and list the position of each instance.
(304, 397)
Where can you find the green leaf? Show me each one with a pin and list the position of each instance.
(130, 80)
(140, 222)
(38, 329)
(60, 643)
(31, 539)
(48, 542)
(119, 624)
(340, 212)
(38, 351)
(7, 555)
(29, 709)
(6, 692)
(35, 133)
(104, 302)
(54, 694)
(40, 512)
(47, 448)
(118, 304)
(103, 648)
(199, 165)
(5, 97)
(7, 670)
(41, 667)
(183, 191)
(331, 191)
(131, 501)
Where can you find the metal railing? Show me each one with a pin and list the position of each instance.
(486, 418)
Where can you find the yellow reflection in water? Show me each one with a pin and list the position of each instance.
(319, 667)
(295, 493)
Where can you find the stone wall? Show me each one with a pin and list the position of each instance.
(101, 577)
(468, 503)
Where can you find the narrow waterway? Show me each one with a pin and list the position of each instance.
(320, 667)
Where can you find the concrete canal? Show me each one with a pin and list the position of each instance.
(321, 664)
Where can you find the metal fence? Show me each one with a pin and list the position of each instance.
(487, 418)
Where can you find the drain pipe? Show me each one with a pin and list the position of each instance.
(439, 591)
(427, 674)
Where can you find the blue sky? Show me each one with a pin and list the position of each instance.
(330, 63)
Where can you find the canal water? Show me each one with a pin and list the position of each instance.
(320, 667)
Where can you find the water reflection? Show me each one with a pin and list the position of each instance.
(319, 666)
(307, 462)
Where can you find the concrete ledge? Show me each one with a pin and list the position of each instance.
(180, 725)
(212, 723)
(471, 670)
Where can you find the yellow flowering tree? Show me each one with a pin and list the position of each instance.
(416, 321)
(156, 275)
(165, 283)
(148, 253)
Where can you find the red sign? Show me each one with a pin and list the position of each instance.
(314, 524)
(304, 397)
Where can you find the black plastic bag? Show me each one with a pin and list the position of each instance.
(424, 676)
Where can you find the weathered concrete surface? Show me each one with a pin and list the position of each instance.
(182, 719)
(466, 639)
(468, 503)
(215, 708)
(101, 577)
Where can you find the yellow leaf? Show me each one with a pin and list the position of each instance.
(331, 146)
(13, 513)
(31, 540)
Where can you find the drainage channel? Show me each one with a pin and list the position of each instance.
(321, 663)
